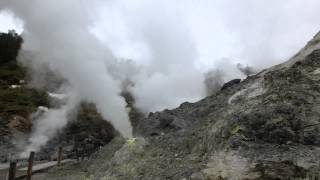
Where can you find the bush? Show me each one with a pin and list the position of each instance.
(10, 44)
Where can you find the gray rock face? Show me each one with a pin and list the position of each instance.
(164, 122)
(264, 127)
(81, 137)
(230, 83)
(178, 119)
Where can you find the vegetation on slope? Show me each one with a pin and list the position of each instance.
(16, 99)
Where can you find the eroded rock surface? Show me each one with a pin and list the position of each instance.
(264, 127)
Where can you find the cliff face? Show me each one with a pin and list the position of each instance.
(264, 127)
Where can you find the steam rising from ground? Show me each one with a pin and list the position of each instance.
(169, 77)
(48, 125)
(58, 35)
(178, 52)
(173, 39)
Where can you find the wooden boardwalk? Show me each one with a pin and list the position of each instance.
(37, 168)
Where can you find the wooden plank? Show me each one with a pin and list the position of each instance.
(30, 164)
(59, 155)
(12, 170)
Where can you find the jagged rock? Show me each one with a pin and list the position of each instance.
(19, 123)
(230, 84)
(82, 136)
(264, 127)
(279, 170)
(164, 122)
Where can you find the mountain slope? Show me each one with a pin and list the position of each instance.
(265, 127)
(20, 104)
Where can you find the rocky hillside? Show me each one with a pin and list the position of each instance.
(264, 127)
(82, 136)
(18, 102)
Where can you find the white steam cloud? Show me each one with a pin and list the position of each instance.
(178, 42)
(49, 124)
(176, 48)
(58, 34)
(163, 47)
(170, 76)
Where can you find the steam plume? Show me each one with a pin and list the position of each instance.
(58, 35)
(173, 46)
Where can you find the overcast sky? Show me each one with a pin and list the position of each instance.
(260, 33)
(7, 22)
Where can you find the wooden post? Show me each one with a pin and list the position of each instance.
(59, 155)
(30, 164)
(12, 170)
